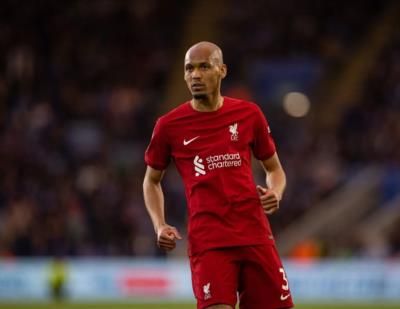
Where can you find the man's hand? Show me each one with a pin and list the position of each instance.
(269, 200)
(166, 237)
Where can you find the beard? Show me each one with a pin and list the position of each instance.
(200, 96)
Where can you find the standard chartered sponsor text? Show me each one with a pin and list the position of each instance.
(224, 160)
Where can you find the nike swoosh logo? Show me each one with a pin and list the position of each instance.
(284, 297)
(185, 142)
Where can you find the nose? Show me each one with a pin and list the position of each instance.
(196, 74)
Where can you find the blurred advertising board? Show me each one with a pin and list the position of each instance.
(158, 280)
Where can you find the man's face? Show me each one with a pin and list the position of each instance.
(203, 73)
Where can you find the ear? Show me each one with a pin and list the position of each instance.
(224, 70)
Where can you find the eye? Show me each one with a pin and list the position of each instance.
(189, 68)
(204, 66)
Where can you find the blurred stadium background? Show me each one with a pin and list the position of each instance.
(81, 84)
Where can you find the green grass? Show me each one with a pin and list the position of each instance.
(178, 306)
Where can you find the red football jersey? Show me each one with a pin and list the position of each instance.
(212, 152)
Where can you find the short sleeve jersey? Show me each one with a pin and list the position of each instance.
(212, 152)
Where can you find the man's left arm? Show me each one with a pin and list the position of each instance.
(275, 179)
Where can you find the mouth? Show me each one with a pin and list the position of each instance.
(198, 86)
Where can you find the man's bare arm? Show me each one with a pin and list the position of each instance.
(276, 182)
(154, 201)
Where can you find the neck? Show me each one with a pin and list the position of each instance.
(208, 104)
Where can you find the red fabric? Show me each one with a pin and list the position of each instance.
(212, 152)
(256, 272)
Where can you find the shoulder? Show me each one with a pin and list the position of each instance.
(243, 105)
(173, 114)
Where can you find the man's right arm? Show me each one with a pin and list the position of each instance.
(154, 201)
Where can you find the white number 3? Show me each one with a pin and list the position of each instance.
(285, 286)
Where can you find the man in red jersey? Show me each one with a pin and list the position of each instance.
(210, 139)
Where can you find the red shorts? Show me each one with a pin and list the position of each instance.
(254, 273)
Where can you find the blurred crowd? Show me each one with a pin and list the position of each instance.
(82, 82)
(280, 29)
(370, 130)
(317, 162)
